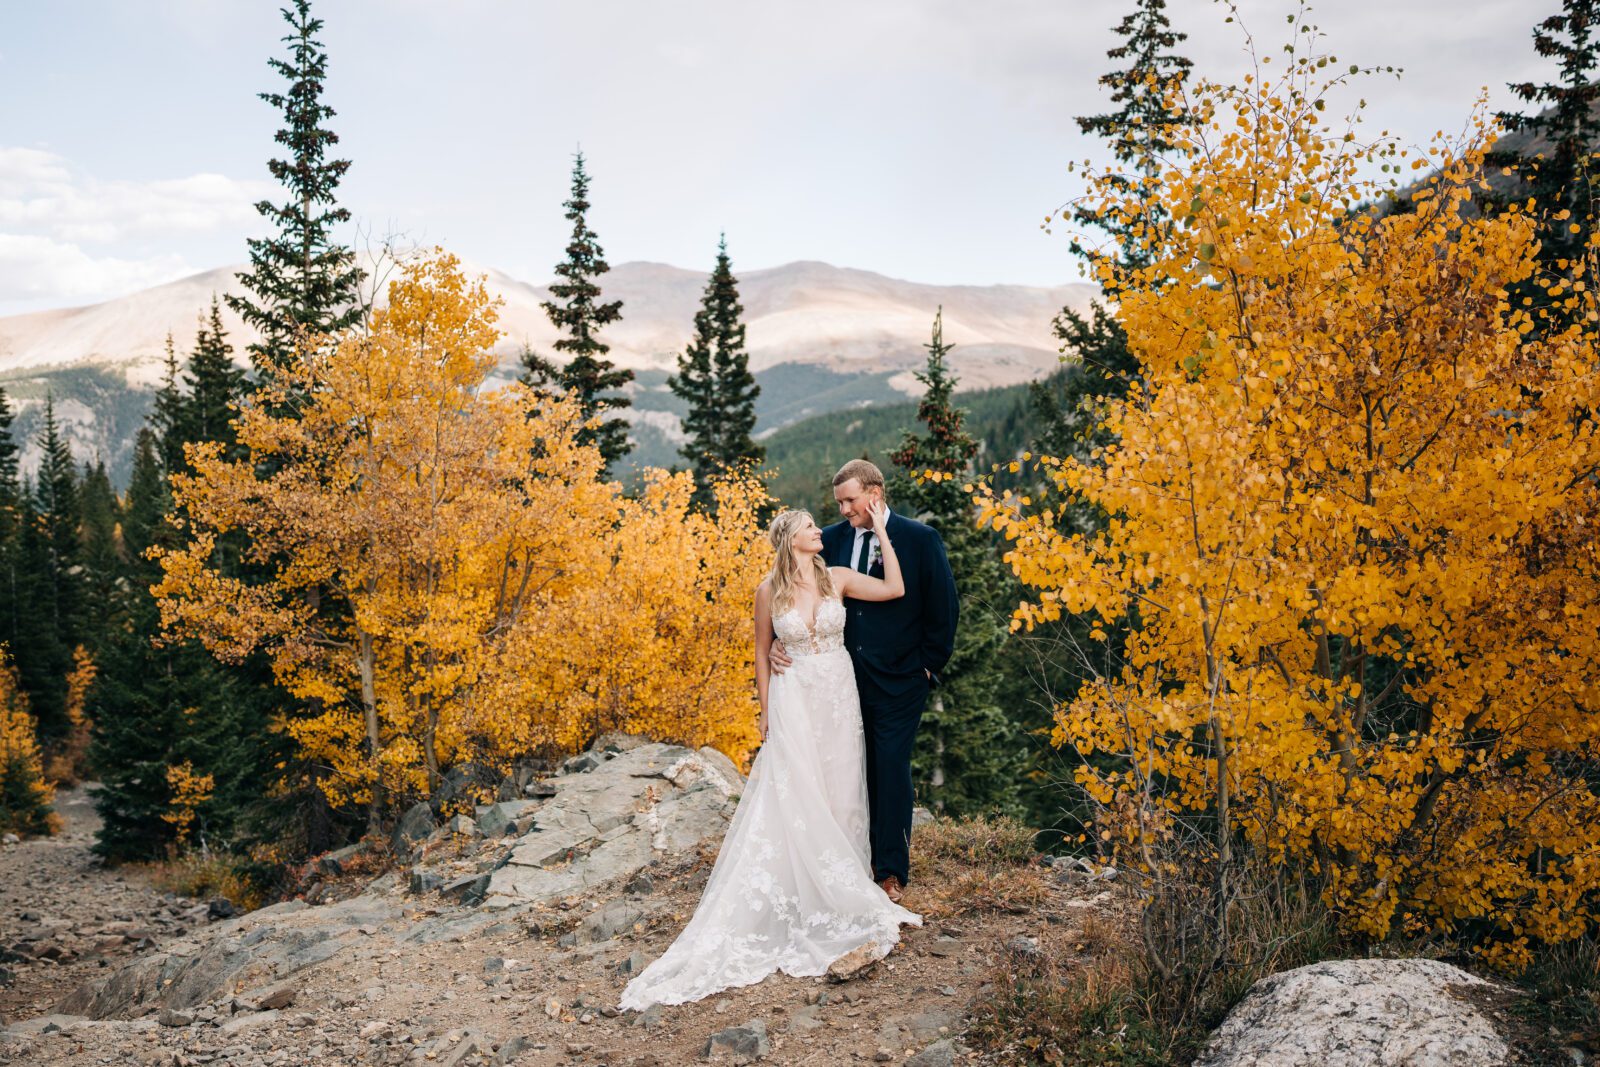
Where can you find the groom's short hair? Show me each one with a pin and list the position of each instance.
(863, 471)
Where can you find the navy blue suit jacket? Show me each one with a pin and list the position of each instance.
(894, 641)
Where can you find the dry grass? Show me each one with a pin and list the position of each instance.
(977, 866)
(205, 875)
(1077, 1001)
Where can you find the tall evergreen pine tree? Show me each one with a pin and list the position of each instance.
(1048, 665)
(578, 311)
(100, 553)
(11, 512)
(155, 706)
(166, 414)
(1138, 134)
(964, 762)
(51, 592)
(214, 383)
(1557, 167)
(714, 379)
(302, 283)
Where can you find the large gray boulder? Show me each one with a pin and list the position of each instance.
(608, 821)
(1360, 1013)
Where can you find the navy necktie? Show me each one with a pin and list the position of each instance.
(864, 564)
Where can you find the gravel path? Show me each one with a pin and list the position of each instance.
(64, 916)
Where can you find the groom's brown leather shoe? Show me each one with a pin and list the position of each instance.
(891, 887)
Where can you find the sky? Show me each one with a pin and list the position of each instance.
(923, 139)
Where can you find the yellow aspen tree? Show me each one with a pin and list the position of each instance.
(1351, 511)
(69, 762)
(25, 795)
(447, 578)
(190, 792)
(656, 639)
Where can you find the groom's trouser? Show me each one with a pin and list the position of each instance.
(890, 727)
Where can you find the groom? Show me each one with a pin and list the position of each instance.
(898, 648)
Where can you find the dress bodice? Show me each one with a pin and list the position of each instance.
(826, 636)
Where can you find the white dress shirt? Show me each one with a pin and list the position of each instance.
(866, 540)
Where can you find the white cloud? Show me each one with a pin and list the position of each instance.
(67, 237)
(37, 271)
(40, 194)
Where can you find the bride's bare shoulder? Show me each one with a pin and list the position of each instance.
(764, 590)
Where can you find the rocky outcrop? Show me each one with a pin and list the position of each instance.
(612, 814)
(1356, 1013)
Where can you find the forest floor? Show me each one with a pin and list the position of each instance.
(530, 987)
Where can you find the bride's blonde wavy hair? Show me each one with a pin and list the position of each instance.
(786, 573)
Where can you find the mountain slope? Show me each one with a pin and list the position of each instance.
(821, 338)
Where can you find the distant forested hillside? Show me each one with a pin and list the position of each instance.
(805, 454)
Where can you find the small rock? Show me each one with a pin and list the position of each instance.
(948, 990)
(615, 741)
(245, 1022)
(582, 763)
(416, 824)
(220, 908)
(269, 997)
(377, 1028)
(552, 1007)
(424, 881)
(468, 890)
(747, 1042)
(939, 1054)
(722, 1006)
(883, 1055)
(650, 1018)
(513, 1048)
(578, 1048)
(464, 826)
(633, 964)
(640, 885)
(11, 839)
(920, 817)
(174, 1017)
(857, 962)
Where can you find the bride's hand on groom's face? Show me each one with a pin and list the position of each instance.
(879, 512)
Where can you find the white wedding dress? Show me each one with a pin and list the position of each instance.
(792, 887)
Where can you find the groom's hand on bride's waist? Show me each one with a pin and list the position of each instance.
(778, 659)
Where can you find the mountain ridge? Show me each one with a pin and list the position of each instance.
(842, 336)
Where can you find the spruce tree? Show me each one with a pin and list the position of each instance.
(145, 504)
(1138, 132)
(166, 414)
(302, 283)
(714, 379)
(215, 384)
(1048, 664)
(578, 311)
(100, 553)
(51, 580)
(1556, 165)
(160, 704)
(966, 753)
(10, 527)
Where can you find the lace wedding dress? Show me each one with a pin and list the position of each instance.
(792, 888)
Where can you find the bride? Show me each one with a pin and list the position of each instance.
(792, 887)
